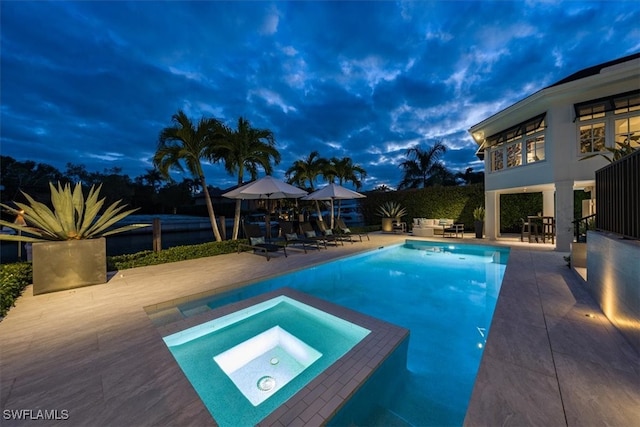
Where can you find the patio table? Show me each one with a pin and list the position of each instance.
(451, 229)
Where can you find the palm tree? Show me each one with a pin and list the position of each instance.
(346, 171)
(308, 170)
(383, 188)
(185, 143)
(153, 178)
(470, 177)
(422, 167)
(246, 148)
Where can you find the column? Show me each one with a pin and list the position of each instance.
(492, 214)
(564, 215)
(548, 203)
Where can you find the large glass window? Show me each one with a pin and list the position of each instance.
(514, 154)
(628, 131)
(596, 117)
(507, 146)
(497, 159)
(535, 148)
(592, 137)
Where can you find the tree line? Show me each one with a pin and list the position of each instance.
(186, 145)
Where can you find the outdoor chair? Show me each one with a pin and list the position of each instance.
(343, 230)
(529, 227)
(328, 234)
(308, 232)
(257, 241)
(548, 229)
(292, 238)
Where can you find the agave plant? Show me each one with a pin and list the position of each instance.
(72, 217)
(391, 210)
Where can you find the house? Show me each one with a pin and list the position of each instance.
(537, 144)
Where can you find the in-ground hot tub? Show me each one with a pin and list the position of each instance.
(265, 363)
(247, 363)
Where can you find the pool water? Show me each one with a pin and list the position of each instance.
(444, 294)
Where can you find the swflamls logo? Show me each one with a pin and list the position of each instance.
(35, 414)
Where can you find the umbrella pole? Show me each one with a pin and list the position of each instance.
(332, 213)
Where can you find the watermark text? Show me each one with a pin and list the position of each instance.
(35, 414)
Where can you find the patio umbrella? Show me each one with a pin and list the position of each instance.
(267, 188)
(333, 192)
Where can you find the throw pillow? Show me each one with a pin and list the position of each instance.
(310, 233)
(256, 240)
(346, 230)
(291, 236)
(328, 232)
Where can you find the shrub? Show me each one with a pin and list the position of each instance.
(176, 253)
(13, 279)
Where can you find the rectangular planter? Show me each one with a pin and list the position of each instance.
(70, 264)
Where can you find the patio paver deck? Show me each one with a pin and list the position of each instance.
(95, 353)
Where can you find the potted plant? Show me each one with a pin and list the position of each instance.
(478, 221)
(68, 244)
(390, 212)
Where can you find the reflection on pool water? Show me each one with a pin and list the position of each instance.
(445, 294)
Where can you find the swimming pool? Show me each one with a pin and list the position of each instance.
(444, 294)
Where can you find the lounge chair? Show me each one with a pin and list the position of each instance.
(257, 241)
(292, 238)
(345, 231)
(328, 234)
(308, 232)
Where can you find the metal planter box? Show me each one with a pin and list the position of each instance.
(70, 264)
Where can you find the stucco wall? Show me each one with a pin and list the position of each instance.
(613, 278)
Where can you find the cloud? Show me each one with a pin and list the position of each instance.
(95, 82)
(270, 22)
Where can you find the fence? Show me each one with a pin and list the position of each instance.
(618, 197)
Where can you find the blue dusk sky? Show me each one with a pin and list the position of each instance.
(94, 82)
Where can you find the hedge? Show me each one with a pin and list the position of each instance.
(13, 279)
(176, 253)
(453, 202)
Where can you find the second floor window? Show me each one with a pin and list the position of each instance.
(519, 145)
(592, 137)
(535, 148)
(607, 121)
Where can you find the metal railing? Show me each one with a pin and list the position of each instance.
(580, 227)
(618, 197)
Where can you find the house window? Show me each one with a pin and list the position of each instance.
(514, 154)
(535, 148)
(592, 137)
(497, 159)
(508, 144)
(627, 104)
(596, 117)
(628, 131)
(590, 112)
